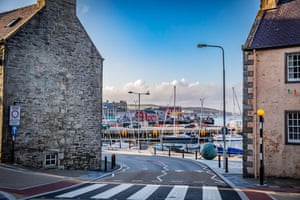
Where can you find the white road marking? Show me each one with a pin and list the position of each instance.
(211, 193)
(80, 191)
(111, 192)
(144, 193)
(177, 193)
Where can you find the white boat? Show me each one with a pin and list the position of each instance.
(229, 137)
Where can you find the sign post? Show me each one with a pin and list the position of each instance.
(14, 122)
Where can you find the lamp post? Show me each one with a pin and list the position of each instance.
(260, 113)
(224, 130)
(139, 110)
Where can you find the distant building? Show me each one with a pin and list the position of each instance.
(112, 109)
(272, 82)
(146, 115)
(51, 69)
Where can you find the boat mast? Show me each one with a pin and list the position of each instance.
(174, 120)
(235, 99)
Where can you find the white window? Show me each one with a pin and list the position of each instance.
(50, 160)
(293, 127)
(293, 67)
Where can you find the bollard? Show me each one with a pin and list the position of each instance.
(169, 152)
(196, 155)
(226, 163)
(219, 159)
(154, 149)
(182, 154)
(105, 163)
(113, 161)
(260, 113)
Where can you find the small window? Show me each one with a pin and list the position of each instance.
(50, 160)
(293, 67)
(13, 22)
(292, 127)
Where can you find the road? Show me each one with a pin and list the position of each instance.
(152, 177)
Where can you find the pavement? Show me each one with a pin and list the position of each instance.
(17, 182)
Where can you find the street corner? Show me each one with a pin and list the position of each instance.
(257, 194)
(272, 191)
(35, 190)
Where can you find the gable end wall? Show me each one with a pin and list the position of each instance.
(54, 72)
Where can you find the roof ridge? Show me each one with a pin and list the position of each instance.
(24, 14)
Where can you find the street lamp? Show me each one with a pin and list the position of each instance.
(139, 110)
(224, 102)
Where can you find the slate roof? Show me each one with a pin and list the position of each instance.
(11, 21)
(276, 28)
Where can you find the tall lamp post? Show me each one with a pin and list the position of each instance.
(224, 130)
(139, 110)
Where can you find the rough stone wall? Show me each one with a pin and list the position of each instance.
(54, 72)
(270, 92)
(248, 120)
(2, 54)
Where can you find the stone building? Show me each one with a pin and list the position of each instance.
(272, 83)
(52, 71)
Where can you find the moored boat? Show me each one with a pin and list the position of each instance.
(230, 150)
(229, 137)
(181, 138)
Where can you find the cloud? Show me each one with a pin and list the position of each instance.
(82, 9)
(187, 94)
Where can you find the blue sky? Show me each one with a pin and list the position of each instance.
(152, 45)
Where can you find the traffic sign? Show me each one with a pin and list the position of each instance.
(14, 116)
(14, 130)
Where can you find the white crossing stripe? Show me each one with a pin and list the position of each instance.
(177, 193)
(144, 193)
(80, 191)
(211, 193)
(111, 192)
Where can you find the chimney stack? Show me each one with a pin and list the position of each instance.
(41, 3)
(268, 4)
(66, 5)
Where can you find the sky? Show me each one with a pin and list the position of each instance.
(151, 45)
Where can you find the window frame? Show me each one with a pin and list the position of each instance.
(52, 160)
(287, 139)
(287, 79)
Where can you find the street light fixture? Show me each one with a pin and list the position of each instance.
(224, 130)
(139, 110)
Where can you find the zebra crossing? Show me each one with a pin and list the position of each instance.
(131, 191)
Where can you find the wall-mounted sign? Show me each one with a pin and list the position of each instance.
(14, 116)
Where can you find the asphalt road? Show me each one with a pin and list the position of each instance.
(153, 177)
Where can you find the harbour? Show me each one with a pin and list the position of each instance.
(163, 138)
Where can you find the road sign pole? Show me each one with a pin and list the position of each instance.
(13, 149)
(14, 130)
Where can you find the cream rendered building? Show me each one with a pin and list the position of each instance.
(272, 83)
